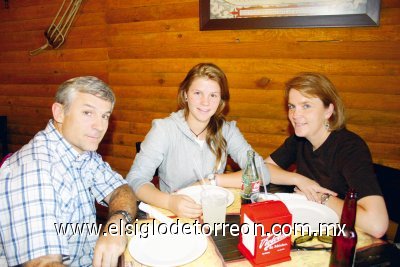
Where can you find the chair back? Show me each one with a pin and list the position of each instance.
(4, 159)
(3, 136)
(389, 181)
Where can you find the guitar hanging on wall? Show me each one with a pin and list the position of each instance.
(55, 35)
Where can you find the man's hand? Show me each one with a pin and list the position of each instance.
(184, 206)
(46, 261)
(108, 247)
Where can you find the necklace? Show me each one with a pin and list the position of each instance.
(197, 135)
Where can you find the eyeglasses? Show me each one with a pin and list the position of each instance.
(307, 238)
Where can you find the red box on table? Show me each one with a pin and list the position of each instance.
(261, 249)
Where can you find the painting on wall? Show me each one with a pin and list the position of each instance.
(259, 14)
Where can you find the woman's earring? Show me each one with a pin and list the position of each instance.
(327, 125)
(186, 99)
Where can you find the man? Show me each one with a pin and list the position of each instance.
(54, 180)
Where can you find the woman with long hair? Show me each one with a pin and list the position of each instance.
(191, 144)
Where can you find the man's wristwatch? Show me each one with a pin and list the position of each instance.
(127, 217)
(212, 178)
(324, 198)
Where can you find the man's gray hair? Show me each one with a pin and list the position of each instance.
(85, 84)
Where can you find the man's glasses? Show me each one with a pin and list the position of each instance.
(299, 242)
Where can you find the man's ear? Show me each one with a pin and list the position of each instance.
(58, 112)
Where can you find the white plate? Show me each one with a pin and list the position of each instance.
(195, 191)
(290, 196)
(304, 211)
(167, 249)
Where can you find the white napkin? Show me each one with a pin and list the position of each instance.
(155, 213)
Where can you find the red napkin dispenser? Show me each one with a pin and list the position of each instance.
(268, 247)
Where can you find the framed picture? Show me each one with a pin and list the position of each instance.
(260, 14)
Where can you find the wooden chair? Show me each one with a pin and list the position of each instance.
(389, 181)
(101, 213)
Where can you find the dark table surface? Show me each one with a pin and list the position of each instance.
(382, 255)
(385, 254)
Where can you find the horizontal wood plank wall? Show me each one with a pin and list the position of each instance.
(144, 48)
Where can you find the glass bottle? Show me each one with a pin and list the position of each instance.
(344, 244)
(250, 179)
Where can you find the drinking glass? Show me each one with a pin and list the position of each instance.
(213, 202)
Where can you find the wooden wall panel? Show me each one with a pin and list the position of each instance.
(144, 48)
(342, 50)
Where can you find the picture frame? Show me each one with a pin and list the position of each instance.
(255, 14)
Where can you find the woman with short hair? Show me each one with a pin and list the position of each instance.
(329, 159)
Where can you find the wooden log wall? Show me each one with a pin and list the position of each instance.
(144, 48)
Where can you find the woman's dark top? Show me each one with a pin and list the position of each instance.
(342, 161)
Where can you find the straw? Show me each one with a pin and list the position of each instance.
(260, 159)
(200, 177)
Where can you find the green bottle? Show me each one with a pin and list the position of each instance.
(250, 179)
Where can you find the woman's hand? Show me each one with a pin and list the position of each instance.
(311, 189)
(184, 206)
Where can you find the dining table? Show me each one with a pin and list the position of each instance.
(215, 255)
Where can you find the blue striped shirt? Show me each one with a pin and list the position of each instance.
(44, 184)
